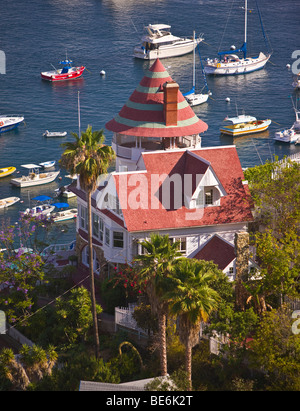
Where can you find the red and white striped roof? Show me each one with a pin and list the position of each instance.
(143, 113)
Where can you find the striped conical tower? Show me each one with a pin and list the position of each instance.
(156, 113)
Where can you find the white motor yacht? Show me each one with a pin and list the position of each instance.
(159, 42)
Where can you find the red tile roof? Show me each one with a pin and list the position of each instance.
(218, 251)
(234, 207)
(143, 114)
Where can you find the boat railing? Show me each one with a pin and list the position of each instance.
(58, 248)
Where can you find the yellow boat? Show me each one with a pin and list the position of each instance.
(241, 125)
(7, 171)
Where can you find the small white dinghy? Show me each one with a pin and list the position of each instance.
(9, 201)
(48, 164)
(54, 133)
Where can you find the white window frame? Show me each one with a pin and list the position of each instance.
(98, 221)
(107, 235)
(182, 240)
(118, 240)
(83, 217)
(85, 259)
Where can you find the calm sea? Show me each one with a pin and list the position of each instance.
(101, 34)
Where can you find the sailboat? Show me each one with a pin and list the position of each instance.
(193, 98)
(230, 63)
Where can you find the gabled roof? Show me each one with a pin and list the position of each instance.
(143, 114)
(234, 207)
(218, 251)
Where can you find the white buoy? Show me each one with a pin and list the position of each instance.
(102, 72)
(227, 99)
(288, 66)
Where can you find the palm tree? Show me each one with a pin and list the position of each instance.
(156, 266)
(88, 157)
(31, 365)
(192, 300)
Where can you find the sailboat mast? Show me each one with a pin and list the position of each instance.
(194, 62)
(246, 7)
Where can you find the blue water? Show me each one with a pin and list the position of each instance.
(101, 35)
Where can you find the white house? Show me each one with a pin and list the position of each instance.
(164, 182)
(195, 196)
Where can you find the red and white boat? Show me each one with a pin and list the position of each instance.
(67, 72)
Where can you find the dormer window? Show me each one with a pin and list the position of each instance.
(209, 200)
(207, 196)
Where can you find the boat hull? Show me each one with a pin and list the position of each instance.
(173, 50)
(251, 129)
(9, 201)
(243, 66)
(9, 123)
(39, 210)
(53, 76)
(287, 136)
(196, 99)
(64, 215)
(53, 134)
(29, 181)
(7, 171)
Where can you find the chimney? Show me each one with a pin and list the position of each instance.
(170, 102)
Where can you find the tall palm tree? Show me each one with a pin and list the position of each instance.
(88, 157)
(192, 300)
(156, 266)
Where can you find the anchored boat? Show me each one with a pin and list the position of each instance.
(43, 207)
(243, 124)
(229, 63)
(292, 134)
(9, 201)
(54, 133)
(67, 72)
(7, 171)
(159, 42)
(193, 98)
(34, 177)
(8, 123)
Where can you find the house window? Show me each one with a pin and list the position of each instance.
(97, 227)
(95, 219)
(141, 249)
(118, 240)
(182, 243)
(209, 196)
(85, 259)
(231, 271)
(107, 236)
(83, 217)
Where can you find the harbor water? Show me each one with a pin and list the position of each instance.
(101, 35)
